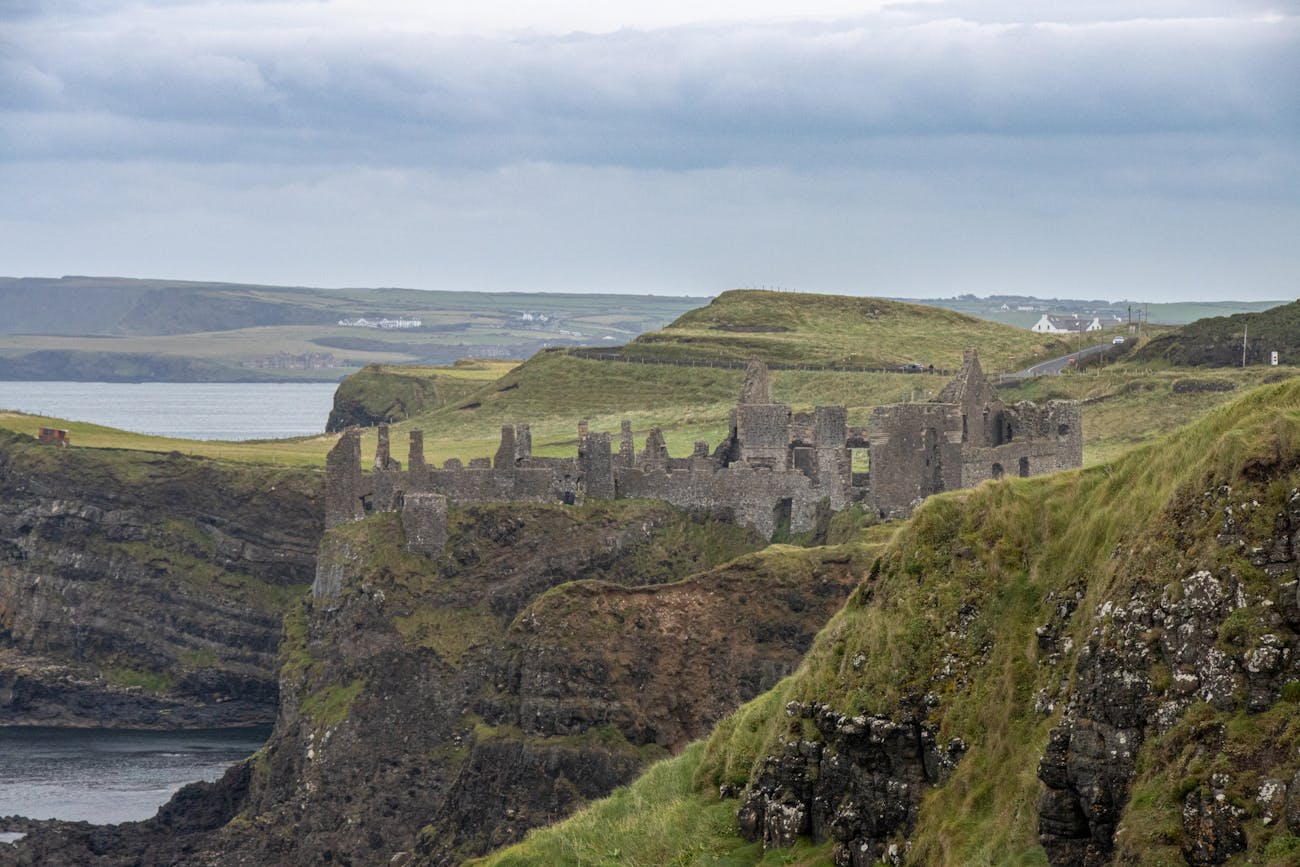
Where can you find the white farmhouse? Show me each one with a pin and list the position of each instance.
(1048, 324)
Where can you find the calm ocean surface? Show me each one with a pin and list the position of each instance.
(109, 776)
(117, 776)
(197, 411)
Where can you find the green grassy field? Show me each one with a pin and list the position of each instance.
(1123, 407)
(1164, 313)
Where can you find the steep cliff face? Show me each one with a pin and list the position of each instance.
(143, 589)
(487, 693)
(442, 708)
(1099, 667)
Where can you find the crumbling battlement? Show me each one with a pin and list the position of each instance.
(770, 472)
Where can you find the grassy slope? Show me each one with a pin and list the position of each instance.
(1125, 405)
(387, 393)
(1003, 548)
(833, 329)
(1217, 341)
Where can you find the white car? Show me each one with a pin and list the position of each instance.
(1118, 340)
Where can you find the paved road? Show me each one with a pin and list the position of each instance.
(1056, 365)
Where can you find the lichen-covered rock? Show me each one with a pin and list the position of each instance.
(1211, 827)
(1271, 800)
(859, 783)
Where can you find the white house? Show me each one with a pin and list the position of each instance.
(1048, 324)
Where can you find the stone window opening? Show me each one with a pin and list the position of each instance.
(1024, 467)
(998, 472)
(1063, 430)
(367, 503)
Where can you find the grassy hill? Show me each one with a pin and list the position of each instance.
(796, 328)
(1124, 405)
(990, 613)
(1218, 341)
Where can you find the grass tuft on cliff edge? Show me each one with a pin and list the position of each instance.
(950, 612)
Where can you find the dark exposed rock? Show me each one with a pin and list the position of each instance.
(859, 783)
(386, 728)
(1293, 805)
(1197, 630)
(122, 568)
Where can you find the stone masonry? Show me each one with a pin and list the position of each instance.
(770, 473)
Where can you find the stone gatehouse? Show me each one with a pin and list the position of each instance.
(771, 471)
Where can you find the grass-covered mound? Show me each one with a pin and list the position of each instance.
(379, 394)
(1218, 341)
(990, 613)
(798, 328)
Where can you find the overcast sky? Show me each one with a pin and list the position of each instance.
(1140, 149)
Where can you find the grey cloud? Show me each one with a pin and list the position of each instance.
(932, 148)
(678, 98)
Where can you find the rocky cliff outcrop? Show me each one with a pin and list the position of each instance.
(382, 395)
(443, 707)
(141, 589)
(1105, 665)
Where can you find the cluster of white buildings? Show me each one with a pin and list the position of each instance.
(1049, 324)
(362, 322)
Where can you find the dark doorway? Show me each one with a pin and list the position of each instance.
(1024, 467)
(998, 472)
(781, 520)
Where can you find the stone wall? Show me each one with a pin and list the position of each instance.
(424, 519)
(916, 451)
(755, 497)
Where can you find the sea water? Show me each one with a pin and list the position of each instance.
(109, 776)
(186, 410)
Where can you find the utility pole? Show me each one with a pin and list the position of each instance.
(1244, 332)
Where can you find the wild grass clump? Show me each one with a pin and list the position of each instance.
(658, 821)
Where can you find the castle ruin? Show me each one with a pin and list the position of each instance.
(771, 471)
